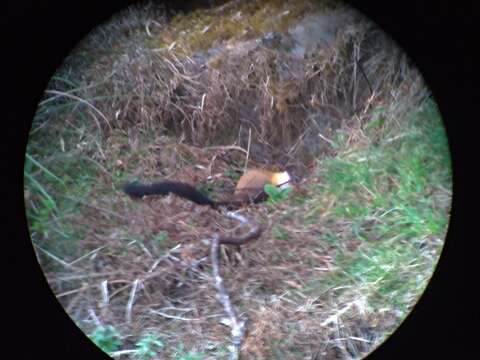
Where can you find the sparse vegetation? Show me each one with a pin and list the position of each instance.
(106, 338)
(148, 346)
(343, 258)
(276, 194)
(191, 355)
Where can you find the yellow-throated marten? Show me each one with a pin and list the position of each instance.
(249, 188)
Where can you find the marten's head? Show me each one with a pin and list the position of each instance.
(282, 180)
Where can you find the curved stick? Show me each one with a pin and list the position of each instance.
(237, 326)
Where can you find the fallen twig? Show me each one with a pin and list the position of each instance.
(128, 312)
(236, 325)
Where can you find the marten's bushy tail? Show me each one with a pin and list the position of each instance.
(183, 190)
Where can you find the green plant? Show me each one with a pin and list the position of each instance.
(148, 346)
(160, 238)
(35, 185)
(181, 354)
(280, 233)
(106, 338)
(206, 189)
(191, 355)
(275, 194)
(45, 204)
(232, 174)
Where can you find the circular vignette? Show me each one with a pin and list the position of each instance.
(439, 268)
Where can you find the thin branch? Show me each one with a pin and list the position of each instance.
(248, 148)
(87, 255)
(94, 317)
(128, 312)
(105, 297)
(123, 352)
(182, 318)
(236, 325)
(226, 147)
(56, 258)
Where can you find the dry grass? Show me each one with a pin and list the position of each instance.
(120, 108)
(205, 99)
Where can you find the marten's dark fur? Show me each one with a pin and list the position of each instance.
(183, 190)
(249, 189)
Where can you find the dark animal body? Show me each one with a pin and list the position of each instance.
(183, 190)
(249, 189)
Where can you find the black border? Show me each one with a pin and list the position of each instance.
(439, 36)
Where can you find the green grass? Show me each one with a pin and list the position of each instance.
(57, 178)
(392, 197)
(182, 354)
(63, 172)
(148, 346)
(280, 233)
(275, 194)
(106, 338)
(394, 181)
